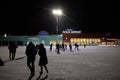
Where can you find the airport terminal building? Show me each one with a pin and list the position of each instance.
(67, 37)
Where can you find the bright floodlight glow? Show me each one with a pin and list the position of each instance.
(57, 12)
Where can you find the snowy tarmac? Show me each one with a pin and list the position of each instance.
(90, 63)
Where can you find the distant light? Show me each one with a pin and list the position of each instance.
(57, 12)
(5, 35)
(66, 38)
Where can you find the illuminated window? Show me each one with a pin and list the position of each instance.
(74, 40)
(84, 40)
(95, 40)
(71, 40)
(53, 42)
(81, 40)
(78, 40)
(98, 40)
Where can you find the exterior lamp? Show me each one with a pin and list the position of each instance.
(57, 13)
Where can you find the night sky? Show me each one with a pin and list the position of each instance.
(30, 17)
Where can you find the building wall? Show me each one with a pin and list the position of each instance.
(91, 39)
(24, 40)
(20, 40)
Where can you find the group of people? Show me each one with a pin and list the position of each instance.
(63, 47)
(59, 47)
(31, 52)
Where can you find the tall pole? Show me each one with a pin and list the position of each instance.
(58, 13)
(57, 25)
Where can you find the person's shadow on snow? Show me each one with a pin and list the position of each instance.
(38, 78)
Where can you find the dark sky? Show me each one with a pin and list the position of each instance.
(29, 17)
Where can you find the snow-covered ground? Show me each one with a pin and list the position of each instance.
(90, 63)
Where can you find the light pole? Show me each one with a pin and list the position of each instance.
(57, 13)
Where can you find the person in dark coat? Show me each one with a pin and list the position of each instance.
(58, 48)
(70, 46)
(43, 61)
(76, 46)
(51, 47)
(12, 50)
(84, 45)
(31, 52)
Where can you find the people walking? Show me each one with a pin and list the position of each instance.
(43, 61)
(63, 47)
(58, 48)
(12, 50)
(31, 52)
(70, 46)
(51, 46)
(84, 45)
(76, 46)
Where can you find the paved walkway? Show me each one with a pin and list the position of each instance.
(90, 63)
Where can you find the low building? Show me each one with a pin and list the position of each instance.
(68, 37)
